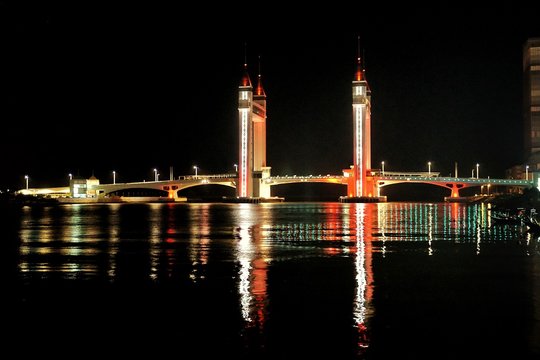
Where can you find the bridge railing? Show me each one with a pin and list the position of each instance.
(199, 177)
(425, 174)
(462, 180)
(297, 177)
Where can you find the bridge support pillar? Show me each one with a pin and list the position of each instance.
(349, 178)
(264, 187)
(455, 191)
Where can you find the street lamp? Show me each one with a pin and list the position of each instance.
(236, 167)
(70, 176)
(429, 168)
(155, 175)
(382, 167)
(26, 179)
(477, 172)
(114, 177)
(196, 168)
(527, 173)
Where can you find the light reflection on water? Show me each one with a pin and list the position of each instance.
(186, 241)
(82, 231)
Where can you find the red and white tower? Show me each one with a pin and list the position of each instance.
(361, 102)
(245, 137)
(252, 169)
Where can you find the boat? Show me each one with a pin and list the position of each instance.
(508, 217)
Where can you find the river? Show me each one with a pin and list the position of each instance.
(276, 281)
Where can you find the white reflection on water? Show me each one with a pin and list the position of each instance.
(253, 257)
(363, 220)
(59, 239)
(199, 242)
(360, 300)
(114, 238)
(430, 230)
(154, 224)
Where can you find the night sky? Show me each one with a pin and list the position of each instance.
(94, 88)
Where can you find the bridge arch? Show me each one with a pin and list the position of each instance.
(211, 191)
(319, 189)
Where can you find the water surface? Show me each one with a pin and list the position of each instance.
(280, 281)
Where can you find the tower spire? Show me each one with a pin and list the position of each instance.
(245, 81)
(259, 90)
(359, 74)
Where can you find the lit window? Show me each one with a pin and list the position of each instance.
(358, 90)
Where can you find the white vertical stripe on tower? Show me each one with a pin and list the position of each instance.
(358, 150)
(244, 155)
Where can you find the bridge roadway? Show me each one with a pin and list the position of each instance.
(183, 182)
(454, 184)
(171, 186)
(387, 179)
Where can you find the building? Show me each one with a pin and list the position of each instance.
(83, 188)
(252, 168)
(530, 169)
(531, 103)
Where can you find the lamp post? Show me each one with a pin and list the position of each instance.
(70, 176)
(382, 167)
(196, 168)
(429, 168)
(155, 175)
(477, 170)
(26, 179)
(236, 167)
(527, 173)
(114, 177)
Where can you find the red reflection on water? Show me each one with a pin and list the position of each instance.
(258, 286)
(362, 220)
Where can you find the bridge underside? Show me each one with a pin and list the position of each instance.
(171, 188)
(454, 184)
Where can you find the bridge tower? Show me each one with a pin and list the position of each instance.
(252, 169)
(361, 183)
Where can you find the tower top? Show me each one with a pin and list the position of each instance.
(259, 90)
(359, 73)
(245, 81)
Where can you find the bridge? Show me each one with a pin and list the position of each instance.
(454, 184)
(173, 187)
(253, 179)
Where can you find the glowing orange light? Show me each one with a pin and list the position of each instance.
(358, 74)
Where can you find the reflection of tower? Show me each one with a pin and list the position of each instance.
(364, 273)
(362, 132)
(199, 241)
(252, 258)
(361, 222)
(252, 139)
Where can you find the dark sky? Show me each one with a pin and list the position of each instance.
(89, 87)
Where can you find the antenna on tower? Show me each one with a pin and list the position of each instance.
(245, 54)
(358, 49)
(259, 66)
(359, 73)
